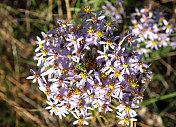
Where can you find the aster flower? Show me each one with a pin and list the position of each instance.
(128, 110)
(103, 55)
(81, 119)
(153, 44)
(86, 66)
(87, 12)
(36, 77)
(104, 108)
(152, 27)
(124, 119)
(96, 19)
(114, 11)
(110, 42)
(110, 25)
(126, 66)
(55, 108)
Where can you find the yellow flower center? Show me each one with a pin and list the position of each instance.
(109, 24)
(64, 70)
(41, 45)
(109, 42)
(158, 34)
(71, 91)
(91, 96)
(133, 85)
(69, 56)
(146, 20)
(154, 42)
(136, 25)
(105, 55)
(79, 26)
(169, 26)
(56, 26)
(80, 100)
(117, 74)
(44, 51)
(74, 41)
(139, 63)
(64, 25)
(127, 108)
(47, 92)
(111, 85)
(87, 10)
(108, 94)
(144, 70)
(162, 40)
(78, 91)
(143, 31)
(84, 75)
(104, 76)
(80, 121)
(58, 97)
(130, 39)
(91, 31)
(99, 33)
(54, 106)
(161, 18)
(146, 8)
(111, 67)
(44, 57)
(126, 120)
(117, 11)
(125, 65)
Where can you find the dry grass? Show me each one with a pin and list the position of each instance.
(21, 103)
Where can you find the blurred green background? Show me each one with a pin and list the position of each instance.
(21, 102)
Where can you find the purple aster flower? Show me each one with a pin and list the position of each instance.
(87, 12)
(36, 77)
(81, 119)
(110, 42)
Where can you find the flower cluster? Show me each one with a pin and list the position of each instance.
(150, 24)
(86, 66)
(115, 12)
(153, 29)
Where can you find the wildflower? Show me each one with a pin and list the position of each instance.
(103, 55)
(124, 119)
(87, 65)
(36, 77)
(55, 108)
(109, 42)
(81, 118)
(87, 12)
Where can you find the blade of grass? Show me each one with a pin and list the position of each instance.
(168, 66)
(68, 9)
(33, 2)
(100, 121)
(15, 56)
(170, 95)
(60, 12)
(27, 17)
(10, 37)
(153, 103)
(50, 13)
(167, 108)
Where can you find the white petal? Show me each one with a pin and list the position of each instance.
(75, 122)
(30, 77)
